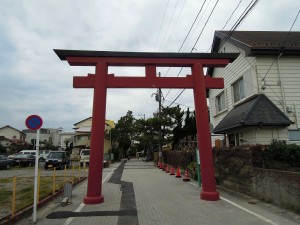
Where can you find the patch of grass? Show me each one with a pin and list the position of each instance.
(25, 191)
(5, 180)
(4, 196)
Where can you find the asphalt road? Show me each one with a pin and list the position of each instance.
(29, 171)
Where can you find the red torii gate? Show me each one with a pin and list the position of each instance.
(100, 81)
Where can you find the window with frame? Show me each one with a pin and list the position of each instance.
(238, 90)
(294, 135)
(220, 102)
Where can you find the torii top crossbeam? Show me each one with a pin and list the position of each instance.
(100, 81)
(148, 60)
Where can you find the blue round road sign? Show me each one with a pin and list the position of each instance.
(34, 122)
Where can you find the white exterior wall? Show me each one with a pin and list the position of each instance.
(85, 123)
(264, 135)
(242, 66)
(84, 140)
(281, 86)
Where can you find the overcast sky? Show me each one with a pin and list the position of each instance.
(34, 81)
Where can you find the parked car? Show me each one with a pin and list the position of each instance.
(24, 160)
(5, 163)
(84, 156)
(13, 155)
(43, 154)
(57, 159)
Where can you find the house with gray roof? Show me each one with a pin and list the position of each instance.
(260, 102)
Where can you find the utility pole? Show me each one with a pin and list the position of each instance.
(159, 116)
(144, 127)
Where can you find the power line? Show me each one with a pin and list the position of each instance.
(169, 36)
(192, 26)
(241, 18)
(169, 24)
(187, 36)
(197, 25)
(228, 20)
(282, 47)
(196, 44)
(200, 10)
(162, 22)
(176, 103)
(239, 21)
(176, 98)
(205, 24)
(232, 14)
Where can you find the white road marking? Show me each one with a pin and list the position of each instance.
(244, 209)
(79, 208)
(249, 211)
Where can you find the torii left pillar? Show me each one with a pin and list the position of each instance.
(94, 191)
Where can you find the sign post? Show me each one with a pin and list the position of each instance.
(198, 167)
(34, 122)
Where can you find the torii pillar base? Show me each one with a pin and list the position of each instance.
(210, 196)
(93, 200)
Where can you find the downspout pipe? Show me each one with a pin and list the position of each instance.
(281, 86)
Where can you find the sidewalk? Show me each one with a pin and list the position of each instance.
(145, 195)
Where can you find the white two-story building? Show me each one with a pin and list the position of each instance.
(260, 102)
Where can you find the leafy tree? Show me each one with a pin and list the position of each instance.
(2, 149)
(19, 145)
(177, 131)
(190, 128)
(140, 134)
(169, 122)
(69, 146)
(187, 124)
(123, 132)
(193, 125)
(49, 145)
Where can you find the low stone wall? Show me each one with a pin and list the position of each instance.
(279, 187)
(238, 170)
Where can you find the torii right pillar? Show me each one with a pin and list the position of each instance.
(209, 191)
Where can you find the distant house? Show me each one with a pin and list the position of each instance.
(82, 138)
(12, 133)
(260, 102)
(50, 135)
(66, 138)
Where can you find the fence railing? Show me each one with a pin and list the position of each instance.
(17, 192)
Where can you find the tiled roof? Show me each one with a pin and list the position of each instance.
(258, 111)
(260, 42)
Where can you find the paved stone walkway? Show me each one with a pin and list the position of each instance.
(139, 193)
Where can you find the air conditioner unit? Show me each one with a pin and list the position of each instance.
(289, 109)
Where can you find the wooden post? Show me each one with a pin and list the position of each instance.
(79, 171)
(53, 182)
(13, 205)
(84, 166)
(73, 168)
(65, 170)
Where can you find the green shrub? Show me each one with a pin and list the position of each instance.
(192, 166)
(281, 152)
